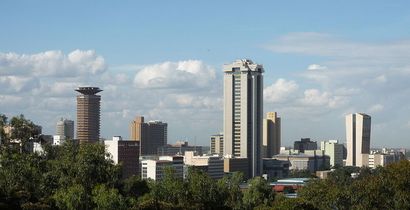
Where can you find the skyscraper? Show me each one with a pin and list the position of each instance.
(65, 128)
(243, 110)
(358, 128)
(152, 135)
(88, 114)
(271, 135)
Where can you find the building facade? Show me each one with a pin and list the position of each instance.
(65, 127)
(312, 160)
(88, 114)
(334, 150)
(125, 152)
(304, 144)
(241, 165)
(156, 169)
(179, 148)
(212, 165)
(358, 127)
(271, 135)
(243, 110)
(217, 144)
(152, 135)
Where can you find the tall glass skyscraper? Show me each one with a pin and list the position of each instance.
(243, 110)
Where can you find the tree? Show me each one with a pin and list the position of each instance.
(259, 193)
(107, 198)
(71, 198)
(230, 186)
(3, 122)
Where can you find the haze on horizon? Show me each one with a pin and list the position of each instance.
(164, 61)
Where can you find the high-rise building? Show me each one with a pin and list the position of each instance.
(271, 135)
(88, 114)
(334, 150)
(65, 128)
(152, 135)
(243, 110)
(358, 128)
(125, 152)
(217, 144)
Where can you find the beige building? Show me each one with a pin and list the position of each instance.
(212, 165)
(88, 114)
(217, 144)
(152, 135)
(65, 127)
(358, 128)
(243, 110)
(271, 135)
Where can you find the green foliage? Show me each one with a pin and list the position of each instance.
(259, 193)
(105, 198)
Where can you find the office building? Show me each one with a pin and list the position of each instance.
(304, 144)
(312, 160)
(274, 168)
(65, 128)
(334, 150)
(156, 169)
(241, 165)
(179, 148)
(243, 110)
(212, 165)
(217, 144)
(152, 135)
(126, 153)
(88, 114)
(271, 135)
(380, 159)
(358, 127)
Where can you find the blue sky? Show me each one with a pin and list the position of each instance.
(322, 59)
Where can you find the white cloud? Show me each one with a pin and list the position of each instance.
(188, 74)
(280, 91)
(315, 97)
(313, 67)
(375, 108)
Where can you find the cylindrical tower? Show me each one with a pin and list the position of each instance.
(88, 114)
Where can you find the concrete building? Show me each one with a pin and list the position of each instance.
(65, 127)
(379, 159)
(125, 152)
(271, 135)
(179, 148)
(312, 160)
(358, 128)
(304, 144)
(274, 168)
(243, 110)
(58, 140)
(152, 135)
(156, 169)
(217, 144)
(88, 114)
(334, 150)
(212, 165)
(232, 165)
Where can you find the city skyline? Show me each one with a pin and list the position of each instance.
(322, 62)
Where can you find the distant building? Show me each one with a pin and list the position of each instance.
(305, 144)
(380, 160)
(88, 114)
(212, 165)
(358, 128)
(65, 128)
(58, 140)
(156, 169)
(275, 168)
(217, 144)
(312, 160)
(232, 165)
(178, 149)
(243, 112)
(271, 135)
(334, 150)
(152, 135)
(125, 152)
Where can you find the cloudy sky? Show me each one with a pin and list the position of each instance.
(163, 60)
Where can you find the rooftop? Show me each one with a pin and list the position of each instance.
(88, 90)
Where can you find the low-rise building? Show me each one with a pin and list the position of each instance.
(311, 160)
(156, 169)
(236, 165)
(212, 165)
(275, 168)
(125, 152)
(334, 150)
(179, 148)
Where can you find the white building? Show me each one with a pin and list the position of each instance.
(156, 169)
(58, 140)
(65, 128)
(243, 110)
(271, 135)
(334, 150)
(380, 160)
(212, 165)
(358, 128)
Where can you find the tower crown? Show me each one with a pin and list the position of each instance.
(88, 90)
